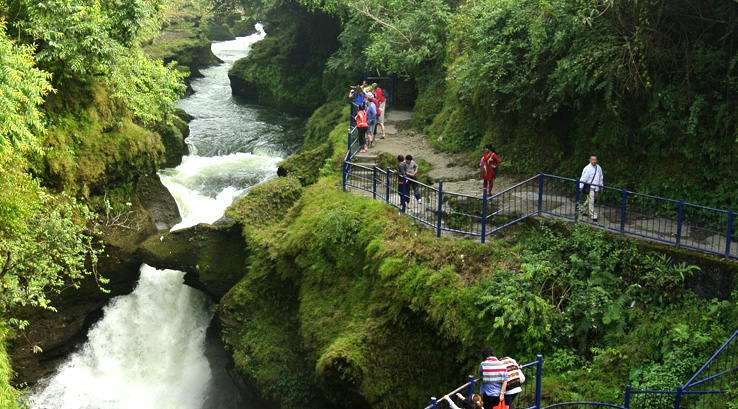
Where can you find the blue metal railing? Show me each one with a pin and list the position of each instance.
(706, 389)
(528, 398)
(635, 214)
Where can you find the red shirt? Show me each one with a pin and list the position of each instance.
(379, 94)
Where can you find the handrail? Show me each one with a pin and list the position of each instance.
(669, 221)
(538, 363)
(691, 382)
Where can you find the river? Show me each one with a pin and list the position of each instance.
(152, 348)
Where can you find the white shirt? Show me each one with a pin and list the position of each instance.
(592, 175)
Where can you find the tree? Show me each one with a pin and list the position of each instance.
(22, 90)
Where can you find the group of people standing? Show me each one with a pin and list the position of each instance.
(501, 382)
(370, 102)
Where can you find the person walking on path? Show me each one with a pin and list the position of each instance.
(401, 179)
(515, 379)
(494, 378)
(361, 126)
(489, 164)
(591, 183)
(412, 171)
(371, 119)
(379, 96)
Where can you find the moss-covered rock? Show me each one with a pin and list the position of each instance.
(212, 257)
(244, 27)
(305, 166)
(220, 32)
(285, 69)
(266, 204)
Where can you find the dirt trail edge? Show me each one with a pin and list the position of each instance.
(458, 172)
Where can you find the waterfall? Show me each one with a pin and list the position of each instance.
(150, 349)
(147, 352)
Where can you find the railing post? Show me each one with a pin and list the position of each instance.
(434, 402)
(345, 174)
(540, 195)
(387, 197)
(440, 203)
(349, 144)
(679, 223)
(404, 193)
(626, 405)
(623, 208)
(484, 214)
(730, 233)
(576, 203)
(678, 399)
(471, 386)
(374, 182)
(539, 376)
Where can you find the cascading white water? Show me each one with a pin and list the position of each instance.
(150, 349)
(147, 352)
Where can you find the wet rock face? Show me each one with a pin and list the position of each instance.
(158, 202)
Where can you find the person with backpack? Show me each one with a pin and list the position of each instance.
(371, 119)
(515, 378)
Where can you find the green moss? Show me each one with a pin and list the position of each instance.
(285, 69)
(266, 203)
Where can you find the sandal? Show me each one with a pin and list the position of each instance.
(363, 151)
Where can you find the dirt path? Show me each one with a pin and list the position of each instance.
(458, 172)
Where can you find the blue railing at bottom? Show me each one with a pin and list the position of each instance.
(528, 398)
(714, 380)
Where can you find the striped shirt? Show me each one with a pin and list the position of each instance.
(494, 373)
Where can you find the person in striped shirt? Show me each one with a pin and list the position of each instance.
(494, 378)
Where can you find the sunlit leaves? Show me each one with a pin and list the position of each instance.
(44, 246)
(22, 89)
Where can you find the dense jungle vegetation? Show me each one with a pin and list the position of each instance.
(359, 304)
(649, 85)
(82, 114)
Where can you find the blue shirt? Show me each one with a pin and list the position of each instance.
(498, 372)
(371, 113)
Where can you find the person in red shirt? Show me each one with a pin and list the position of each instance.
(489, 164)
(379, 96)
(362, 126)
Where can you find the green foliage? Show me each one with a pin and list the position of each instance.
(550, 82)
(22, 89)
(45, 244)
(285, 69)
(9, 396)
(90, 40)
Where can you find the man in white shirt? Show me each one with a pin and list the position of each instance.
(592, 176)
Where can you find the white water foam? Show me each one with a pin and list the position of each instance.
(147, 352)
(204, 187)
